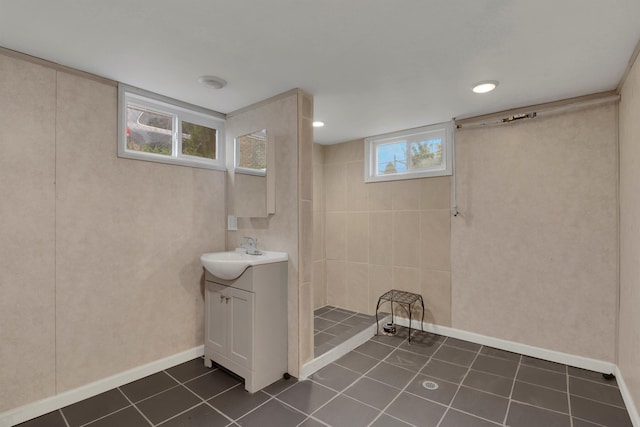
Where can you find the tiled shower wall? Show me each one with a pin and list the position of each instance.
(383, 235)
(319, 261)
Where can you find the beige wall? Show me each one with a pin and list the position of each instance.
(250, 195)
(27, 232)
(384, 235)
(629, 329)
(534, 250)
(283, 120)
(103, 271)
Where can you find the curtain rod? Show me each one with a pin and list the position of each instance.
(539, 110)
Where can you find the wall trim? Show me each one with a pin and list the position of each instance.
(628, 399)
(527, 350)
(44, 406)
(337, 352)
(541, 353)
(55, 66)
(274, 98)
(627, 71)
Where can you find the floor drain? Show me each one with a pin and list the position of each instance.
(429, 385)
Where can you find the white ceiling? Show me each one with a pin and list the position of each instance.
(373, 66)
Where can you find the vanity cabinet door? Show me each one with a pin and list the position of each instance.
(217, 302)
(240, 318)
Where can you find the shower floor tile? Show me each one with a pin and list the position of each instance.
(332, 326)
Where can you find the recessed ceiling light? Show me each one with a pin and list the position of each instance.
(318, 124)
(212, 81)
(485, 86)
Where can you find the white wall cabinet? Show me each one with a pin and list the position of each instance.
(246, 324)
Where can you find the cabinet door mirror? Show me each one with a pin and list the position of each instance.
(251, 153)
(253, 175)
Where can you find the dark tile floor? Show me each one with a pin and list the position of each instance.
(332, 326)
(386, 382)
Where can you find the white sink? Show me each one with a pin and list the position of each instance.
(230, 265)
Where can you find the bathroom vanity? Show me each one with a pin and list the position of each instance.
(246, 323)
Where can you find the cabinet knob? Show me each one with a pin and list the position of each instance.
(228, 298)
(221, 298)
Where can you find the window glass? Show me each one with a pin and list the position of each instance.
(149, 131)
(426, 153)
(392, 158)
(198, 140)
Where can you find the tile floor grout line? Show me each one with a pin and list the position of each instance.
(232, 421)
(185, 411)
(273, 398)
(309, 417)
(104, 416)
(464, 377)
(304, 413)
(64, 418)
(513, 387)
(408, 383)
(502, 376)
(155, 394)
(179, 413)
(215, 395)
(200, 376)
(135, 407)
(200, 397)
(339, 393)
(542, 386)
(540, 407)
(594, 381)
(543, 369)
(211, 370)
(566, 368)
(480, 354)
(283, 390)
(592, 422)
(203, 400)
(356, 372)
(474, 416)
(599, 401)
(269, 399)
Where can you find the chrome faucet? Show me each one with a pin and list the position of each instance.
(249, 246)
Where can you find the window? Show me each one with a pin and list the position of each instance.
(159, 129)
(414, 153)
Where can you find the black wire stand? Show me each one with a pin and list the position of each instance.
(406, 300)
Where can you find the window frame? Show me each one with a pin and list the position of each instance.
(179, 111)
(371, 145)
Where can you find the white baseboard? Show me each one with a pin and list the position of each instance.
(44, 406)
(628, 400)
(527, 350)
